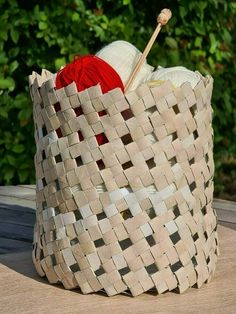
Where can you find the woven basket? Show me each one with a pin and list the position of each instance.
(135, 213)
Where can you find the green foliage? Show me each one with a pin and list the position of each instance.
(47, 34)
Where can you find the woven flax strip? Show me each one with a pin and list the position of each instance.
(98, 226)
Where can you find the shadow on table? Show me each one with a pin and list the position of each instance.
(22, 263)
(16, 228)
(16, 236)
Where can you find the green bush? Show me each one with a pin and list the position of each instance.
(48, 34)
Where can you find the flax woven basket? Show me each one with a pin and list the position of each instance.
(135, 213)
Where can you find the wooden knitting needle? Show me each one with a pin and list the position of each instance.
(162, 19)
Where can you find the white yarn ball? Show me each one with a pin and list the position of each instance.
(123, 57)
(177, 75)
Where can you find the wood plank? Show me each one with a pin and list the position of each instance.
(12, 246)
(16, 191)
(16, 209)
(20, 282)
(30, 186)
(224, 205)
(227, 224)
(19, 201)
(226, 216)
(21, 195)
(226, 210)
(16, 231)
(16, 228)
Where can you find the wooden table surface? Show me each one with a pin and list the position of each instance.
(23, 291)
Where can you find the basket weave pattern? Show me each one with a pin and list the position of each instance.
(118, 241)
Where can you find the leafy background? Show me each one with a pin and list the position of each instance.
(47, 34)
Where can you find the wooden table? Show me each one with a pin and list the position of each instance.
(23, 291)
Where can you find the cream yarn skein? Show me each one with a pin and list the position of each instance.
(123, 57)
(177, 75)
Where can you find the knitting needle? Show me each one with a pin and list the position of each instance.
(162, 19)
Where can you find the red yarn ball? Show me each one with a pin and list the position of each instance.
(88, 71)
